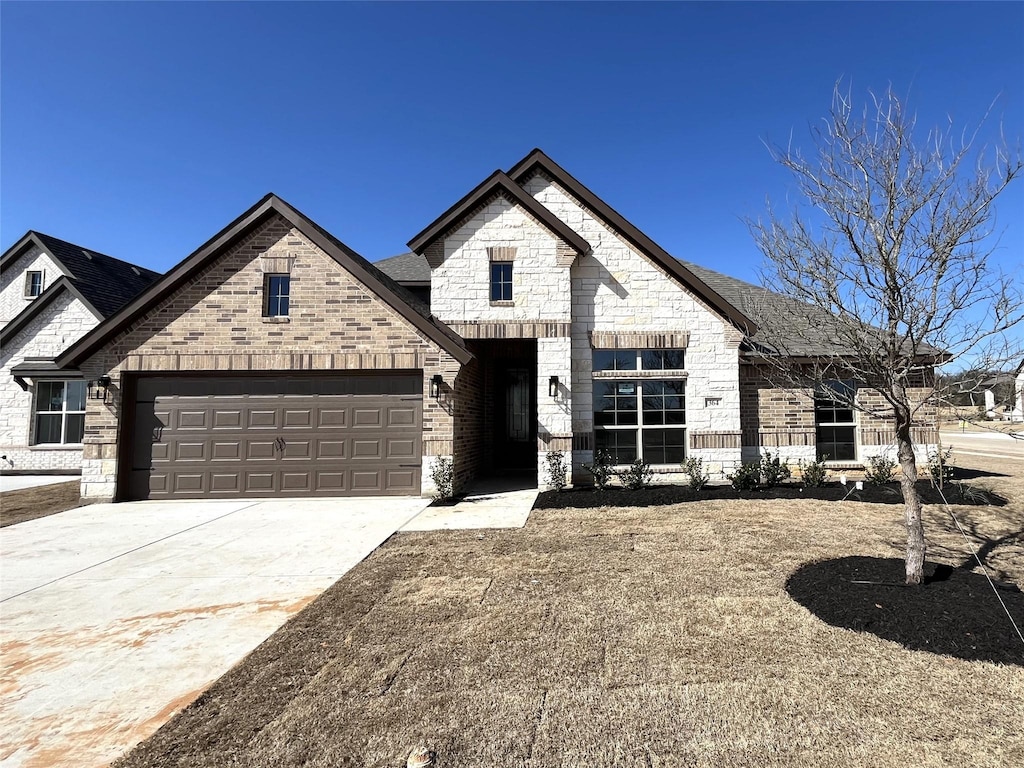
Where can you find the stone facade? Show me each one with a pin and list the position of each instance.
(215, 323)
(12, 284)
(618, 290)
(60, 324)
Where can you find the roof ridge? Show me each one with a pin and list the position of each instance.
(43, 236)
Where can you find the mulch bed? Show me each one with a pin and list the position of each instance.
(656, 495)
(954, 613)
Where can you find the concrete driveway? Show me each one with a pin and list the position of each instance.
(113, 617)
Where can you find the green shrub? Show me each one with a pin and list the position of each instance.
(813, 473)
(601, 469)
(940, 466)
(746, 478)
(637, 475)
(556, 470)
(697, 477)
(880, 471)
(773, 469)
(443, 474)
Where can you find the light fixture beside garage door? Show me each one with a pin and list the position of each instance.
(436, 382)
(98, 389)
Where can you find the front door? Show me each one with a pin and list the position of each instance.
(518, 439)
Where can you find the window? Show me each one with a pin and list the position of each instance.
(636, 413)
(59, 412)
(835, 430)
(501, 281)
(276, 290)
(33, 283)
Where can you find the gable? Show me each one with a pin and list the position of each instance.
(202, 265)
(536, 163)
(220, 310)
(12, 279)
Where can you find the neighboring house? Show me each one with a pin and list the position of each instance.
(51, 293)
(1018, 393)
(276, 361)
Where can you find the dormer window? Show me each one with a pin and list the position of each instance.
(276, 294)
(33, 283)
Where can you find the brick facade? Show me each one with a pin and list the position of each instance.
(215, 323)
(781, 420)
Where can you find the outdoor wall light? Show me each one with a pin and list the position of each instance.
(98, 389)
(435, 385)
(553, 386)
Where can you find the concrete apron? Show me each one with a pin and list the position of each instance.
(115, 617)
(489, 503)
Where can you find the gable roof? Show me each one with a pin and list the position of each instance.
(538, 162)
(387, 289)
(103, 283)
(498, 183)
(62, 285)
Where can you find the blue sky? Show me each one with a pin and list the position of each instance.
(140, 130)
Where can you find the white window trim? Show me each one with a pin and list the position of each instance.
(63, 413)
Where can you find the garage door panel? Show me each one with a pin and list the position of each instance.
(264, 418)
(260, 481)
(189, 482)
(332, 449)
(401, 448)
(227, 450)
(297, 450)
(366, 417)
(260, 450)
(332, 418)
(403, 479)
(225, 482)
(227, 419)
(366, 449)
(332, 481)
(197, 437)
(366, 480)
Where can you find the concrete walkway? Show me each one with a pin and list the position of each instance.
(115, 616)
(490, 503)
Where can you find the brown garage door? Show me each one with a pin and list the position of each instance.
(276, 436)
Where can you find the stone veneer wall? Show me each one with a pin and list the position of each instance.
(215, 323)
(58, 326)
(781, 420)
(540, 308)
(616, 289)
(12, 282)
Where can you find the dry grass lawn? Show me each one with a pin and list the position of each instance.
(661, 636)
(41, 501)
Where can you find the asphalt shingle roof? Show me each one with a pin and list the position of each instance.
(105, 282)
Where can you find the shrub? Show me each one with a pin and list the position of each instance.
(880, 471)
(697, 476)
(556, 470)
(746, 478)
(637, 475)
(601, 469)
(773, 469)
(814, 473)
(443, 474)
(940, 466)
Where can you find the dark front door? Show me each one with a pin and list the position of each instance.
(517, 441)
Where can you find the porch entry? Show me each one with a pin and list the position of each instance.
(509, 373)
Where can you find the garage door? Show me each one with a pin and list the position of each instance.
(276, 436)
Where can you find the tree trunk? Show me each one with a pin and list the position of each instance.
(912, 503)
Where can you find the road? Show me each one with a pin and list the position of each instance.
(992, 444)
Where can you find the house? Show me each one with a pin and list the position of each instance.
(51, 293)
(275, 360)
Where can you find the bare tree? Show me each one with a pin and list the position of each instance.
(886, 262)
